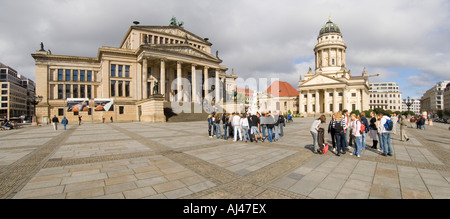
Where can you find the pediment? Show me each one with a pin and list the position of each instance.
(174, 31)
(321, 80)
(185, 50)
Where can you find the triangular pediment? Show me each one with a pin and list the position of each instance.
(172, 31)
(184, 50)
(321, 79)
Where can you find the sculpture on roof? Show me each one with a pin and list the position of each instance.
(173, 22)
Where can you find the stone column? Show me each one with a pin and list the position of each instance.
(335, 102)
(162, 81)
(180, 97)
(144, 79)
(194, 84)
(217, 86)
(205, 73)
(344, 99)
(317, 103)
(325, 101)
(308, 102)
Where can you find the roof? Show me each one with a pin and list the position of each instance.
(246, 91)
(329, 27)
(282, 89)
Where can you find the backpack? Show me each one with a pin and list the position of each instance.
(363, 129)
(338, 126)
(388, 125)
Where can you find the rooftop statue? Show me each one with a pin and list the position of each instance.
(173, 22)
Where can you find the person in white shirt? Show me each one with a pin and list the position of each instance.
(244, 126)
(355, 125)
(236, 122)
(385, 135)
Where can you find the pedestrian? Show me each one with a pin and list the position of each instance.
(103, 119)
(64, 122)
(210, 125)
(394, 119)
(217, 125)
(403, 125)
(255, 124)
(244, 125)
(356, 134)
(332, 132)
(282, 124)
(263, 124)
(364, 132)
(373, 130)
(276, 118)
(236, 122)
(314, 130)
(270, 124)
(111, 119)
(55, 122)
(385, 135)
(225, 125)
(339, 125)
(79, 119)
(348, 140)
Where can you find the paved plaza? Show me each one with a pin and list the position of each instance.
(179, 160)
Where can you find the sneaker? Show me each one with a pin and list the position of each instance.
(407, 139)
(358, 156)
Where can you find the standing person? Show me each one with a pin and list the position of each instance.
(394, 119)
(217, 125)
(111, 119)
(254, 120)
(55, 122)
(210, 125)
(385, 135)
(347, 120)
(64, 122)
(79, 120)
(332, 131)
(281, 124)
(276, 117)
(314, 130)
(225, 125)
(236, 122)
(403, 125)
(339, 125)
(270, 125)
(244, 125)
(356, 132)
(263, 124)
(373, 130)
(103, 119)
(379, 132)
(365, 131)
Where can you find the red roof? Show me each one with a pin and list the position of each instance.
(246, 91)
(282, 89)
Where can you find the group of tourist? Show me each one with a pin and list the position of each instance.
(6, 124)
(247, 126)
(351, 130)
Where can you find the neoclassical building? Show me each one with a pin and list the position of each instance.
(153, 66)
(332, 87)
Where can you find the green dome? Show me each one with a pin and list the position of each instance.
(330, 27)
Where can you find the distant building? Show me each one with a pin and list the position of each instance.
(16, 91)
(280, 96)
(415, 105)
(433, 99)
(385, 95)
(447, 97)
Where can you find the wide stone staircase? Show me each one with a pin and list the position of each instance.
(171, 116)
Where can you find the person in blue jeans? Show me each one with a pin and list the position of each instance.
(314, 131)
(217, 125)
(339, 125)
(64, 122)
(385, 136)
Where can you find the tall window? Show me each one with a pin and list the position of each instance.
(89, 75)
(67, 90)
(67, 75)
(82, 91)
(82, 74)
(60, 74)
(89, 91)
(120, 89)
(75, 91)
(127, 88)
(75, 75)
(120, 70)
(113, 88)
(127, 71)
(60, 91)
(113, 70)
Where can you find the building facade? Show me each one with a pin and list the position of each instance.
(447, 98)
(279, 96)
(415, 105)
(332, 87)
(16, 94)
(164, 63)
(385, 95)
(433, 99)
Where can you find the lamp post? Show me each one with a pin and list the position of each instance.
(35, 100)
(408, 104)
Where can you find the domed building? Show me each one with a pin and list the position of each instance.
(332, 87)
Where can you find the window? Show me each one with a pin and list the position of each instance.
(89, 75)
(306, 108)
(353, 94)
(4, 92)
(82, 91)
(314, 107)
(305, 96)
(67, 75)
(127, 71)
(4, 104)
(4, 85)
(120, 90)
(313, 95)
(113, 88)
(120, 71)
(75, 75)
(4, 98)
(60, 91)
(353, 107)
(60, 111)
(60, 74)
(67, 90)
(75, 91)
(331, 107)
(332, 61)
(89, 92)
(341, 94)
(121, 110)
(82, 74)
(330, 94)
(127, 88)
(113, 70)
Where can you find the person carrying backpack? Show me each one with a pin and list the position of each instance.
(364, 130)
(386, 125)
(339, 125)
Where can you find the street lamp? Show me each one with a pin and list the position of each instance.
(35, 100)
(408, 104)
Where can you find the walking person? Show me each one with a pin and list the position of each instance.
(79, 120)
(373, 130)
(339, 125)
(332, 132)
(356, 134)
(64, 122)
(55, 122)
(385, 135)
(403, 125)
(314, 130)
